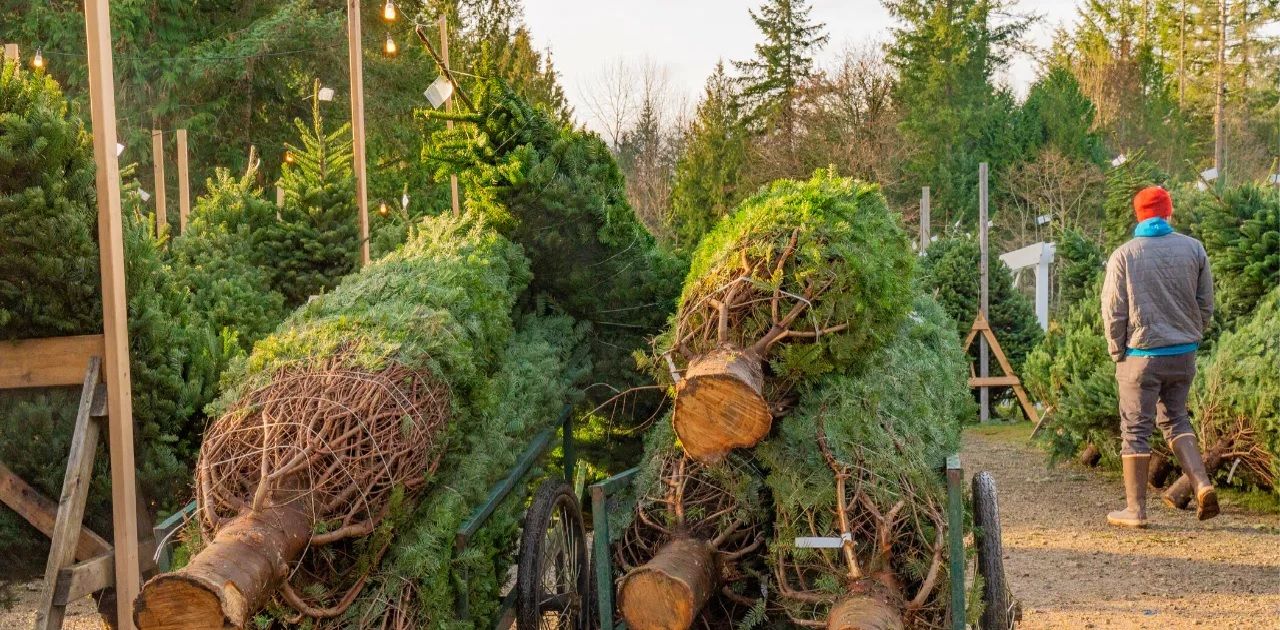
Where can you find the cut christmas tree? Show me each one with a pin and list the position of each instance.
(805, 278)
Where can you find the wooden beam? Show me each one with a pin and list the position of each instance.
(984, 370)
(355, 54)
(184, 183)
(49, 362)
(157, 156)
(95, 574)
(443, 21)
(102, 102)
(925, 227)
(11, 52)
(42, 513)
(994, 381)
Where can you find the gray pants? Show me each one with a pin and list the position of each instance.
(1153, 390)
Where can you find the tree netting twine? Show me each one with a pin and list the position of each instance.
(346, 444)
(897, 546)
(708, 502)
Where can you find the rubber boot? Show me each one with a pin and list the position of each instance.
(1188, 453)
(1135, 493)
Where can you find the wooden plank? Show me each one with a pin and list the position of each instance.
(1027, 407)
(11, 52)
(75, 492)
(48, 362)
(994, 381)
(184, 182)
(92, 575)
(355, 57)
(102, 107)
(42, 513)
(157, 169)
(998, 351)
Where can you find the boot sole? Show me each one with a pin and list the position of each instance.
(1126, 523)
(1207, 506)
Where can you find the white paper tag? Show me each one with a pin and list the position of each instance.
(439, 92)
(818, 542)
(119, 149)
(326, 94)
(404, 200)
(146, 196)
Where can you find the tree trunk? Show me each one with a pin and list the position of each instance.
(1160, 470)
(232, 578)
(720, 405)
(864, 612)
(1180, 494)
(1219, 108)
(670, 591)
(1090, 456)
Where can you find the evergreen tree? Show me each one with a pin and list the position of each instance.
(949, 270)
(954, 117)
(315, 242)
(783, 61)
(1058, 115)
(707, 177)
(1123, 183)
(1241, 232)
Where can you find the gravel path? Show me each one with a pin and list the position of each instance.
(1069, 569)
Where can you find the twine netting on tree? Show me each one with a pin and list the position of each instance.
(338, 439)
(704, 502)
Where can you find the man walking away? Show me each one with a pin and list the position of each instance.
(1156, 303)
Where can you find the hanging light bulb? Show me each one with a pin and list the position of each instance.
(383, 209)
(390, 48)
(389, 11)
(38, 60)
(288, 157)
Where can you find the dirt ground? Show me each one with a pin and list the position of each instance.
(81, 615)
(1069, 569)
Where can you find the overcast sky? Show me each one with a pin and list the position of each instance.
(686, 37)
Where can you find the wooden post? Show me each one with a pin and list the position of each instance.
(443, 21)
(924, 220)
(984, 394)
(157, 155)
(102, 103)
(184, 182)
(355, 55)
(11, 52)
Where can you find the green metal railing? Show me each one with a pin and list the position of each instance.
(541, 443)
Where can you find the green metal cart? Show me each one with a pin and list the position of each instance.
(997, 614)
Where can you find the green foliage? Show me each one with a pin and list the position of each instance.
(1123, 182)
(1241, 232)
(1071, 372)
(783, 61)
(50, 286)
(524, 394)
(893, 425)
(316, 240)
(1057, 114)
(48, 220)
(1079, 262)
(441, 303)
(1238, 384)
(707, 178)
(850, 258)
(558, 193)
(950, 271)
(221, 258)
(946, 54)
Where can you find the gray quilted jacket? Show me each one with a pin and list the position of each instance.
(1158, 292)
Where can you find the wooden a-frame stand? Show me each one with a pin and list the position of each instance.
(983, 327)
(80, 561)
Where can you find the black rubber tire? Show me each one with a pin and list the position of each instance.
(999, 612)
(553, 552)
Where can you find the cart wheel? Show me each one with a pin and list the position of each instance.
(552, 579)
(999, 613)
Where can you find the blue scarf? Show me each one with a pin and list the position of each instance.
(1153, 227)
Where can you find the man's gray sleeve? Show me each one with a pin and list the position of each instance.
(1115, 308)
(1204, 292)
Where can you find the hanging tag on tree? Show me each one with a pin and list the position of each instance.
(439, 92)
(326, 94)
